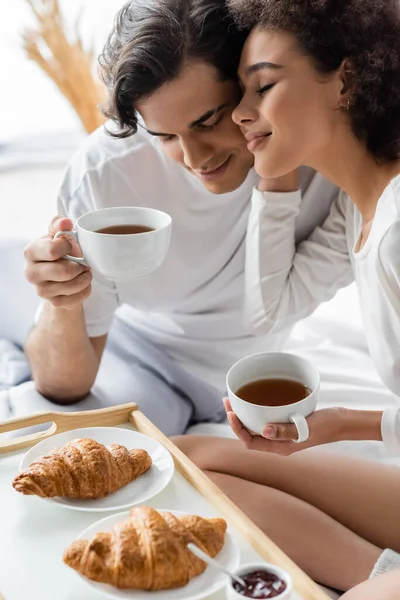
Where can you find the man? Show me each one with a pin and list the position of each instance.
(170, 67)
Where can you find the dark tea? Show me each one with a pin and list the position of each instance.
(125, 229)
(273, 392)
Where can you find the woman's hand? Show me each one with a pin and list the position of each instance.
(326, 426)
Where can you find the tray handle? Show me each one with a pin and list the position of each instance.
(115, 415)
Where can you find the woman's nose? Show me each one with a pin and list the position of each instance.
(243, 113)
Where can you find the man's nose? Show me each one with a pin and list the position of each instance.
(197, 154)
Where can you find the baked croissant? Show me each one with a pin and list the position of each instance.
(82, 469)
(148, 550)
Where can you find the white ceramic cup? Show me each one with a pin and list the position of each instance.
(126, 256)
(232, 594)
(273, 365)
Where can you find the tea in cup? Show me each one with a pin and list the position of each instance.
(273, 387)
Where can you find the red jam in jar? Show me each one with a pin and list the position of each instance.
(261, 585)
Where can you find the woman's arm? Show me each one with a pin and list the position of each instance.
(380, 306)
(326, 426)
(283, 283)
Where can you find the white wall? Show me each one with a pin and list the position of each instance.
(33, 111)
(30, 103)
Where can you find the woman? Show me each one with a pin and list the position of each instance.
(320, 84)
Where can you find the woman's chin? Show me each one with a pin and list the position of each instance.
(266, 172)
(271, 170)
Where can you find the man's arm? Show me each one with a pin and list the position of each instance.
(63, 359)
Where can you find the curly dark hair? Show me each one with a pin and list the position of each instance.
(149, 44)
(367, 34)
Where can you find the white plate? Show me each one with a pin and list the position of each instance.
(203, 585)
(137, 492)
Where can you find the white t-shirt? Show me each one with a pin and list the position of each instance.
(285, 283)
(192, 306)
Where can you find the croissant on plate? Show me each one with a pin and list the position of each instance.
(84, 469)
(148, 550)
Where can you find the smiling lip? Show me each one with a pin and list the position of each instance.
(215, 173)
(255, 138)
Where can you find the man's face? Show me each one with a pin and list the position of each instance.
(191, 117)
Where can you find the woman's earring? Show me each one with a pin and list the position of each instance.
(347, 106)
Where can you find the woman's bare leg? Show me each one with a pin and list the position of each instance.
(362, 495)
(298, 528)
(383, 587)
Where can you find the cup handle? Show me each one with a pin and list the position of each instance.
(303, 431)
(76, 259)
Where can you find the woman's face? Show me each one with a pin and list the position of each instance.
(288, 112)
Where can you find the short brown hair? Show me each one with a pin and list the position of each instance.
(150, 43)
(367, 33)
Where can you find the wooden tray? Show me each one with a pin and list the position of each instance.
(129, 413)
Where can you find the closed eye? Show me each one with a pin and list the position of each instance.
(265, 88)
(209, 126)
(164, 139)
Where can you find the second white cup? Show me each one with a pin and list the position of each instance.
(274, 365)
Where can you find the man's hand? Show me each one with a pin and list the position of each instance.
(326, 426)
(63, 283)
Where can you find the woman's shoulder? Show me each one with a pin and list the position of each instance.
(395, 185)
(389, 216)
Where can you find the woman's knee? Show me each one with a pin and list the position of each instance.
(189, 444)
(383, 587)
(205, 452)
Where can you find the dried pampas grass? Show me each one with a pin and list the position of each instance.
(65, 61)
